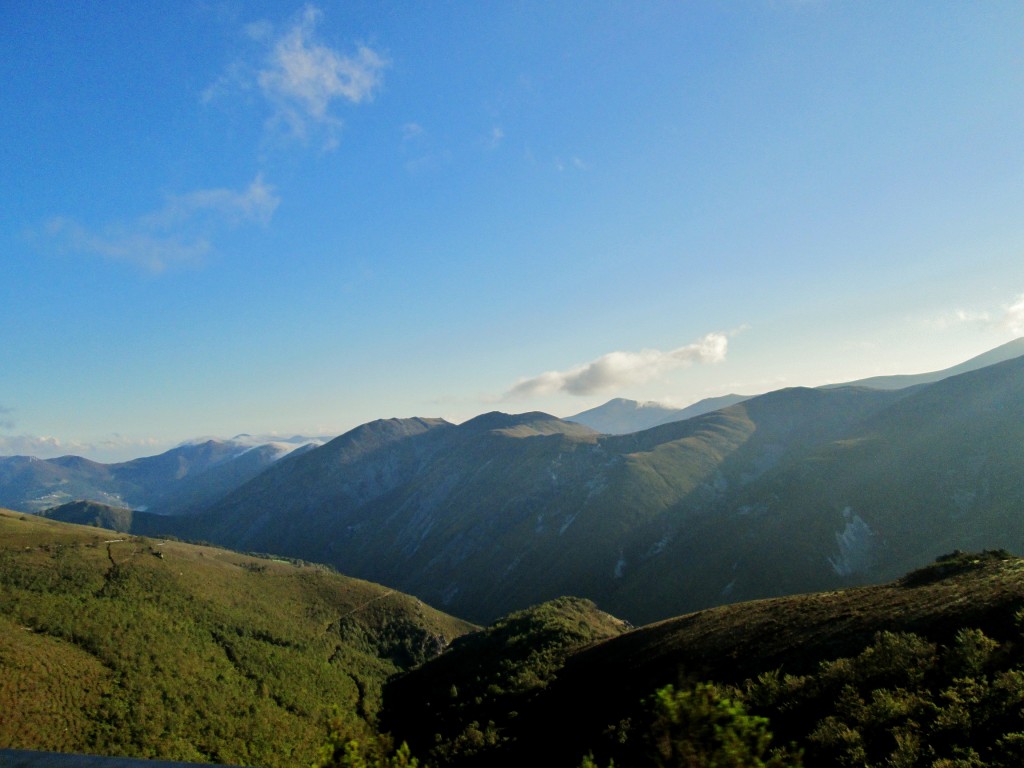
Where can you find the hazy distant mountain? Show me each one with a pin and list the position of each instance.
(621, 416)
(1000, 354)
(785, 492)
(190, 476)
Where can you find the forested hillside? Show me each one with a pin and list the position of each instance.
(122, 645)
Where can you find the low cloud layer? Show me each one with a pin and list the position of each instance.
(178, 234)
(114, 448)
(621, 369)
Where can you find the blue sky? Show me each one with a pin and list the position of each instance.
(225, 217)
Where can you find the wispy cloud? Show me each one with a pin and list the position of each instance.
(256, 203)
(1009, 317)
(574, 163)
(619, 369)
(177, 234)
(302, 79)
(30, 445)
(6, 422)
(411, 131)
(1013, 315)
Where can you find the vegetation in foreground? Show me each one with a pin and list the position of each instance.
(120, 645)
(928, 671)
(123, 645)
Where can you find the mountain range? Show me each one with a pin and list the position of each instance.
(621, 416)
(795, 490)
(791, 491)
(184, 478)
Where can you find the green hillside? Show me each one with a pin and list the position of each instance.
(925, 671)
(121, 645)
(93, 513)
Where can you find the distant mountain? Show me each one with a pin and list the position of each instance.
(1008, 351)
(621, 416)
(91, 513)
(791, 491)
(190, 476)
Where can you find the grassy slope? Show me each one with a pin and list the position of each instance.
(123, 645)
(92, 513)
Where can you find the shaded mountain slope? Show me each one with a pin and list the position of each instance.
(796, 490)
(503, 511)
(939, 468)
(94, 514)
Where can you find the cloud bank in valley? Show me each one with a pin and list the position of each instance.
(620, 369)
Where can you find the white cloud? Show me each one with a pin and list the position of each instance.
(119, 243)
(619, 369)
(496, 138)
(114, 448)
(256, 203)
(1013, 316)
(1007, 318)
(178, 234)
(302, 78)
(30, 445)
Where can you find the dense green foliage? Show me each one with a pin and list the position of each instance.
(704, 725)
(130, 646)
(124, 645)
(926, 671)
(462, 705)
(905, 701)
